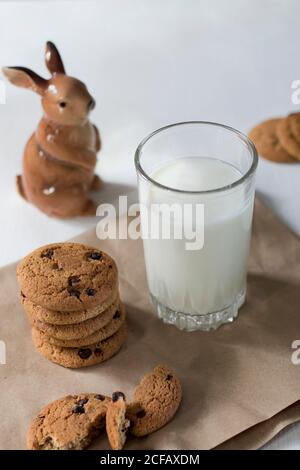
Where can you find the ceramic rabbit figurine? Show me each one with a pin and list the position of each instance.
(60, 156)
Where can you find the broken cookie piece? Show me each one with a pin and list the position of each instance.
(116, 422)
(156, 400)
(69, 423)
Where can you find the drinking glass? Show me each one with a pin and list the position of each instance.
(196, 185)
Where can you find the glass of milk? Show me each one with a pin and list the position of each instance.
(196, 194)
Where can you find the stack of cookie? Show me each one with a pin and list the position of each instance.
(70, 294)
(278, 140)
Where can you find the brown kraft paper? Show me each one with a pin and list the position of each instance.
(240, 386)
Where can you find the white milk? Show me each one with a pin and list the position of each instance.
(213, 278)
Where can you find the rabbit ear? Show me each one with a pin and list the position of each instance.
(53, 60)
(25, 78)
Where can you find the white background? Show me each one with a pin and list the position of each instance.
(149, 63)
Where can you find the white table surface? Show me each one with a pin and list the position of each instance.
(149, 63)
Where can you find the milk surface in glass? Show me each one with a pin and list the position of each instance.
(207, 280)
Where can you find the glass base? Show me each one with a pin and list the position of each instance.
(209, 321)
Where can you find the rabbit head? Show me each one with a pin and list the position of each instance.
(65, 100)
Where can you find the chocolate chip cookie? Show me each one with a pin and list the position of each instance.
(288, 139)
(67, 277)
(74, 358)
(295, 125)
(265, 137)
(116, 422)
(79, 330)
(156, 400)
(105, 332)
(65, 318)
(70, 423)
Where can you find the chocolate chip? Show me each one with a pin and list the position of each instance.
(74, 292)
(78, 409)
(84, 353)
(95, 255)
(99, 397)
(73, 280)
(116, 395)
(116, 315)
(57, 267)
(169, 377)
(47, 254)
(48, 440)
(141, 414)
(90, 292)
(98, 351)
(23, 295)
(82, 402)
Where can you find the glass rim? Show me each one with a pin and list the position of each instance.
(240, 135)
